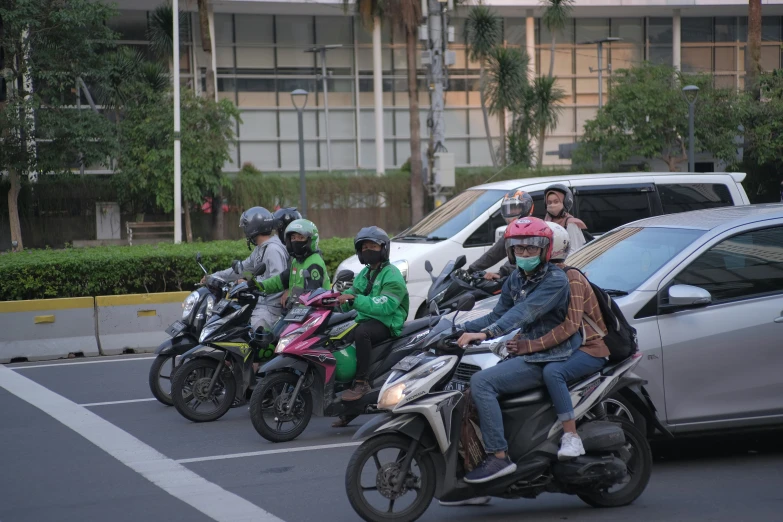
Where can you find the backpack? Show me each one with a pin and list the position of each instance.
(620, 336)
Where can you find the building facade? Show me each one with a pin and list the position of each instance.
(261, 58)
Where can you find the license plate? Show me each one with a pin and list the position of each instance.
(456, 386)
(298, 314)
(409, 362)
(218, 308)
(176, 328)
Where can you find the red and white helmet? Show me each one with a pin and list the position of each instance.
(529, 231)
(561, 242)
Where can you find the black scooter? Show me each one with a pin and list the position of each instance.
(453, 283)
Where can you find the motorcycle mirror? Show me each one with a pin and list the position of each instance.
(460, 262)
(428, 267)
(198, 261)
(237, 266)
(198, 257)
(465, 303)
(344, 275)
(306, 274)
(260, 270)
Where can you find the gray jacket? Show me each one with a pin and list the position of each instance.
(275, 255)
(491, 257)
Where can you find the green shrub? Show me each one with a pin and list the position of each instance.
(85, 272)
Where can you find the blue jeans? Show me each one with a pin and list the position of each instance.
(557, 375)
(507, 377)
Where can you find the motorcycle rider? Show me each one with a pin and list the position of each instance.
(516, 204)
(559, 203)
(380, 297)
(259, 226)
(535, 299)
(584, 313)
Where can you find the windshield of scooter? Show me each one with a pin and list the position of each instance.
(437, 332)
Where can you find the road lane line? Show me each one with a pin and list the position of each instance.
(79, 363)
(170, 476)
(267, 452)
(91, 404)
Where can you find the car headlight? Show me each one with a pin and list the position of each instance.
(188, 304)
(402, 265)
(210, 305)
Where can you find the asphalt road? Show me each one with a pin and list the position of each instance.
(139, 460)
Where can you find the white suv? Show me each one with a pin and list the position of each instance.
(470, 222)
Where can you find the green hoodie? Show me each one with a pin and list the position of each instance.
(387, 301)
(293, 280)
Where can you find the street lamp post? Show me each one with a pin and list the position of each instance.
(299, 98)
(601, 74)
(321, 49)
(690, 93)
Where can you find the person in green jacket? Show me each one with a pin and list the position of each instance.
(301, 240)
(380, 297)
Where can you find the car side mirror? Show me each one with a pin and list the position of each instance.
(500, 232)
(687, 296)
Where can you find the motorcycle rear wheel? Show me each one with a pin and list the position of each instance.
(188, 389)
(267, 398)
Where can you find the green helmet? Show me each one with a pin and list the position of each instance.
(306, 228)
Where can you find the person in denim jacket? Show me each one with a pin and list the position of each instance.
(535, 300)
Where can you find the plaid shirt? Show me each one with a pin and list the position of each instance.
(583, 301)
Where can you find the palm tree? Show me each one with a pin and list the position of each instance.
(206, 45)
(506, 85)
(485, 31)
(161, 29)
(556, 14)
(126, 72)
(753, 58)
(546, 98)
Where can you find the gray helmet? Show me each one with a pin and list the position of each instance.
(376, 235)
(568, 196)
(257, 221)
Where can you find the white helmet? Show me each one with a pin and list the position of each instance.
(561, 242)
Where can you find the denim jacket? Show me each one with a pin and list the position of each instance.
(534, 304)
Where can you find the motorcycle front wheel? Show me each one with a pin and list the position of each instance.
(373, 472)
(190, 390)
(269, 408)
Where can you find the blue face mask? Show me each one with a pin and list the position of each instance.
(528, 264)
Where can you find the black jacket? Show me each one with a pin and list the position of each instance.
(491, 257)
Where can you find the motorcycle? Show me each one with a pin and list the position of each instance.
(316, 362)
(453, 283)
(197, 308)
(423, 423)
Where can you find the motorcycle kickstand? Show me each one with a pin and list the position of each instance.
(217, 372)
(294, 394)
(406, 465)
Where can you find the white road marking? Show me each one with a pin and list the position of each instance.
(268, 452)
(90, 404)
(170, 476)
(78, 363)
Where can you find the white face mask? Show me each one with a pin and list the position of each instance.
(554, 209)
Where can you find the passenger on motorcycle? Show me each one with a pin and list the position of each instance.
(380, 297)
(284, 217)
(535, 299)
(584, 314)
(516, 204)
(259, 226)
(559, 202)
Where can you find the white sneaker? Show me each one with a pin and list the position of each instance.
(570, 447)
(476, 501)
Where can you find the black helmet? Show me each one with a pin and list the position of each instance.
(376, 235)
(516, 204)
(284, 217)
(568, 196)
(256, 221)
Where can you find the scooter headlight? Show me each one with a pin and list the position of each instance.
(210, 305)
(188, 304)
(391, 397)
(283, 343)
(207, 331)
(439, 296)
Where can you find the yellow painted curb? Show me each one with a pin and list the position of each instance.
(42, 305)
(141, 299)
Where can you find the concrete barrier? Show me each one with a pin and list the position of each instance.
(47, 329)
(136, 322)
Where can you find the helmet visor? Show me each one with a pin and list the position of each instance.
(535, 241)
(513, 208)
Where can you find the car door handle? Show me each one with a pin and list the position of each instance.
(779, 319)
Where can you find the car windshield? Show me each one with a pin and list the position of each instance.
(624, 259)
(452, 217)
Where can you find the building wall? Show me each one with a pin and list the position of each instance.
(261, 59)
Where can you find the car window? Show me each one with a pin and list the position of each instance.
(485, 234)
(627, 257)
(746, 265)
(605, 209)
(682, 197)
(454, 215)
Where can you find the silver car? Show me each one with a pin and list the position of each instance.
(704, 290)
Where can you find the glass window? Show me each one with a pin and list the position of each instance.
(258, 125)
(725, 59)
(631, 30)
(604, 208)
(132, 25)
(258, 92)
(459, 31)
(255, 29)
(696, 29)
(453, 216)
(255, 60)
(294, 30)
(224, 29)
(660, 54)
(659, 31)
(589, 29)
(330, 30)
(770, 29)
(485, 234)
(566, 36)
(726, 29)
(626, 258)
(697, 59)
(696, 196)
(515, 31)
(770, 57)
(293, 60)
(746, 265)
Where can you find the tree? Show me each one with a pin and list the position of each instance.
(161, 32)
(206, 46)
(147, 153)
(545, 111)
(45, 50)
(753, 53)
(506, 86)
(556, 15)
(485, 31)
(647, 117)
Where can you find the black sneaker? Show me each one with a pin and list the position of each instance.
(490, 469)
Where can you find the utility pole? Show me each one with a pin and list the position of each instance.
(321, 50)
(601, 76)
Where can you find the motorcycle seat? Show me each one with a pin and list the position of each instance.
(528, 397)
(413, 326)
(338, 318)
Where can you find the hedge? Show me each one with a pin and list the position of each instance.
(86, 272)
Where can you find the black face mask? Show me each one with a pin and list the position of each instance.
(371, 257)
(299, 247)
